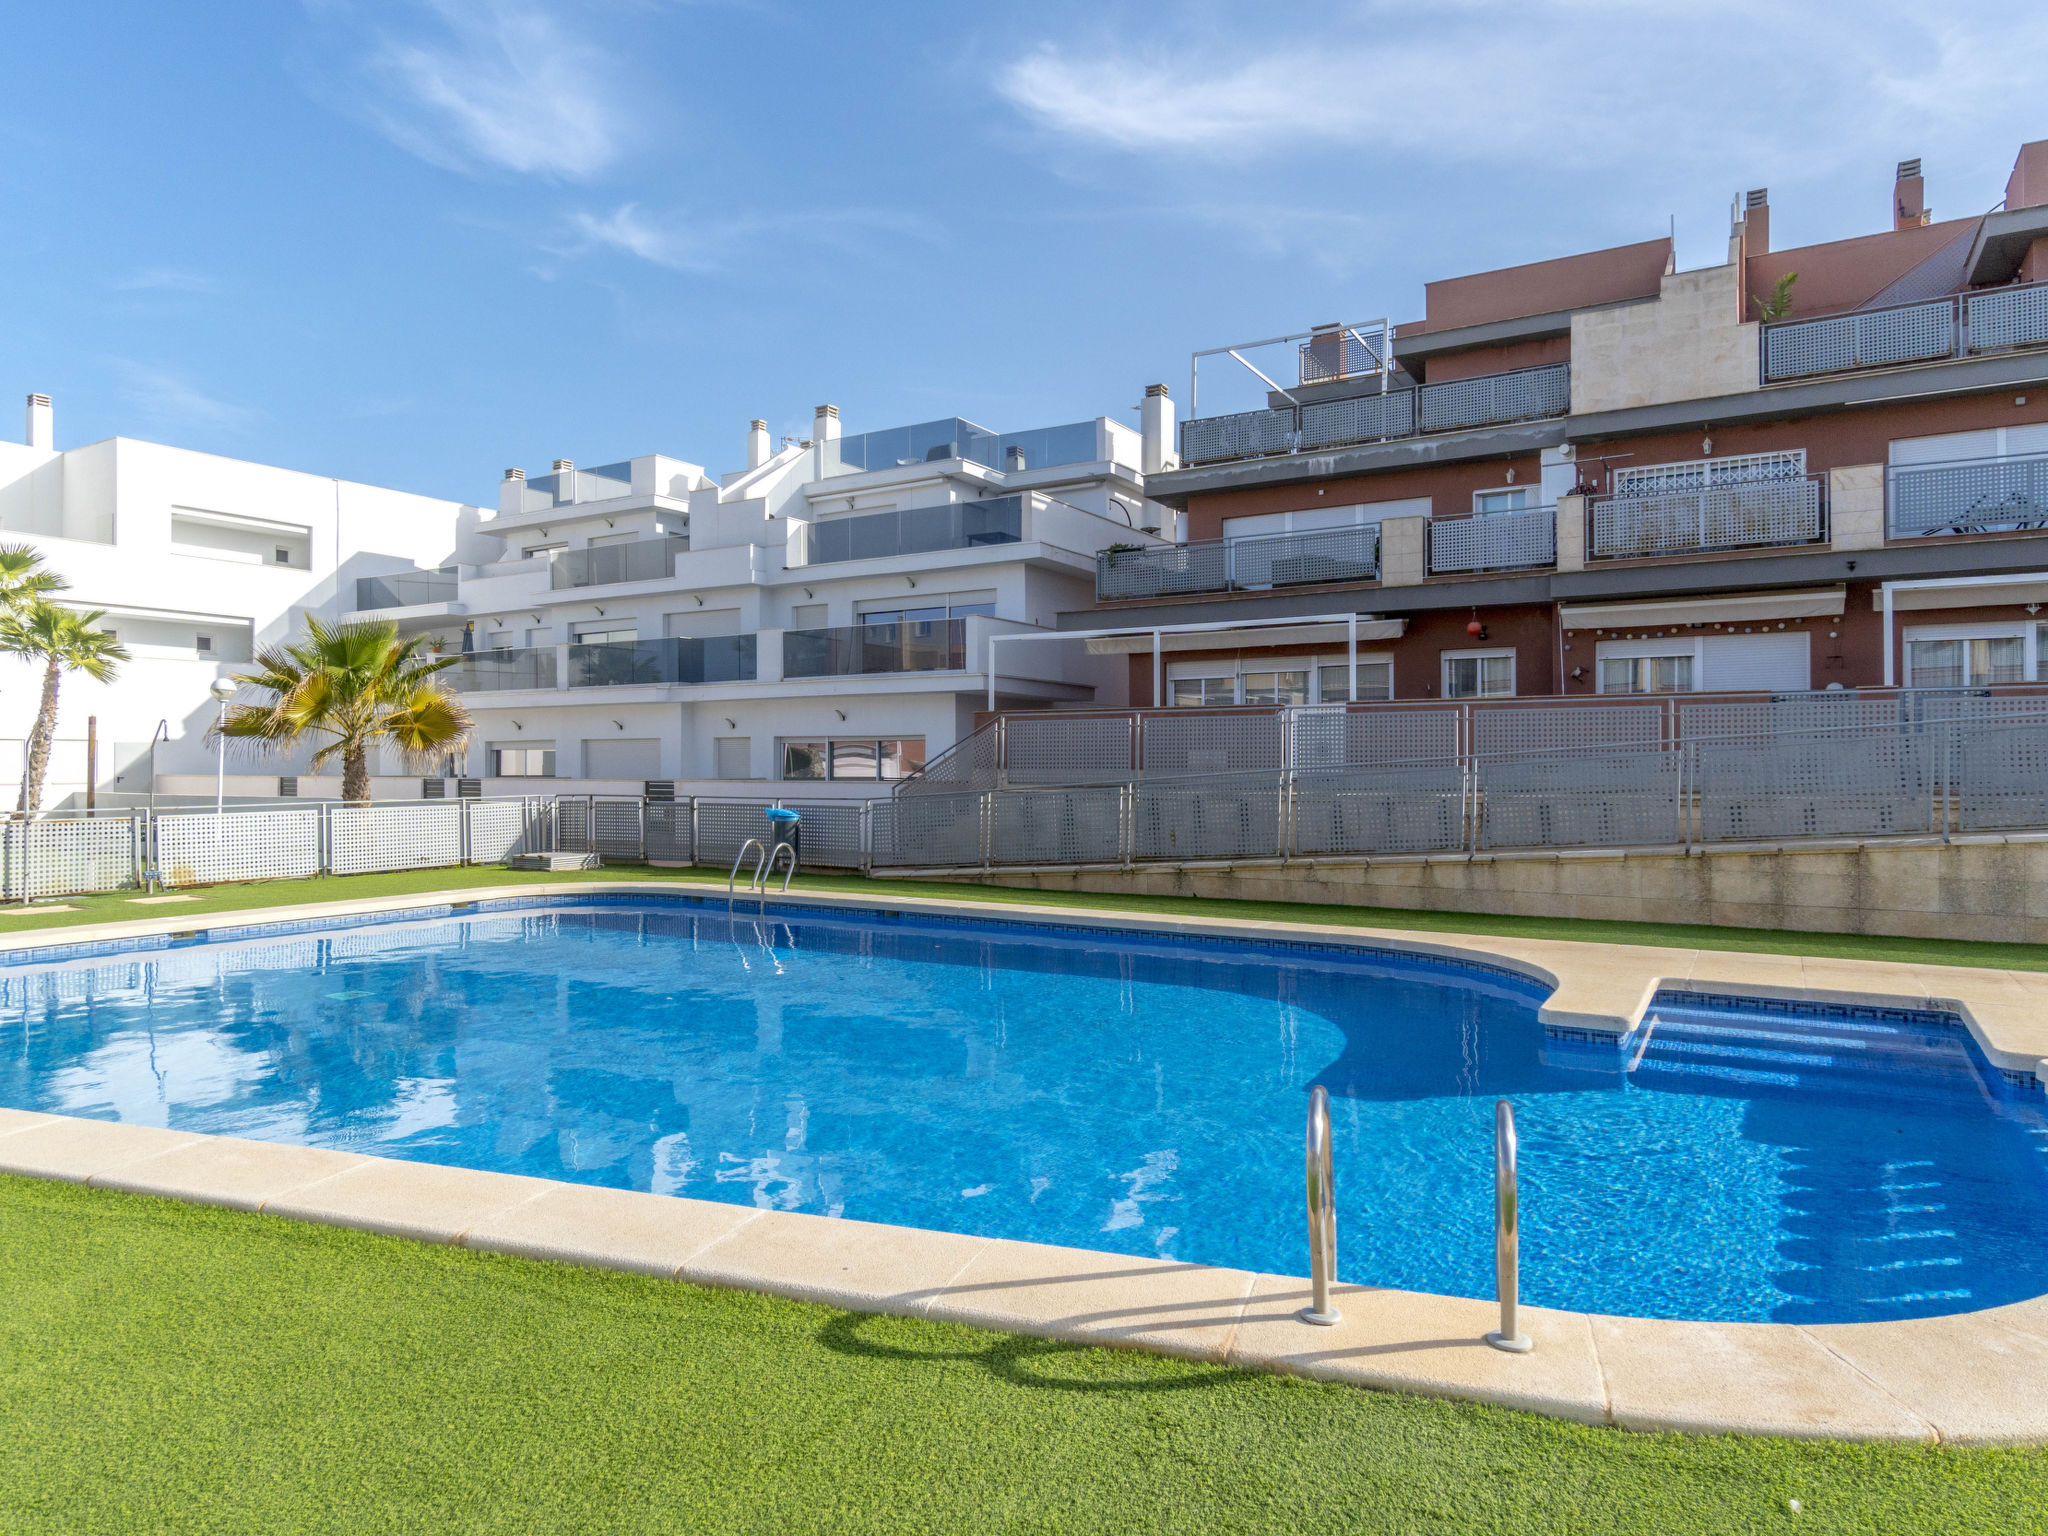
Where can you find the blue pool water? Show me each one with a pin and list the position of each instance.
(1134, 1094)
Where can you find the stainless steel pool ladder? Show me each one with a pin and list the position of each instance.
(757, 878)
(1322, 1213)
(1507, 1224)
(788, 874)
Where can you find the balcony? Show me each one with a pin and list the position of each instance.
(917, 531)
(952, 437)
(626, 663)
(1998, 495)
(1494, 541)
(405, 589)
(932, 645)
(1240, 565)
(1456, 405)
(567, 487)
(498, 671)
(604, 565)
(1740, 514)
(1963, 325)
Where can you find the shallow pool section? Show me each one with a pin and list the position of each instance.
(1126, 1092)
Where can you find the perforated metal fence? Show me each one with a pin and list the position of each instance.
(1798, 784)
(1873, 338)
(1207, 741)
(1968, 496)
(1074, 751)
(1741, 516)
(201, 848)
(65, 856)
(1058, 826)
(1496, 541)
(1999, 777)
(1379, 810)
(1617, 798)
(2007, 317)
(426, 835)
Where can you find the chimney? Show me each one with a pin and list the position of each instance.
(1756, 221)
(2028, 185)
(1156, 418)
(758, 451)
(512, 493)
(825, 424)
(565, 466)
(1909, 198)
(40, 431)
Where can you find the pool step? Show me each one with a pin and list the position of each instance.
(1761, 1049)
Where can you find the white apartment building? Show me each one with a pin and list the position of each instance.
(818, 621)
(198, 561)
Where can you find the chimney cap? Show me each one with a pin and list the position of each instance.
(1908, 169)
(562, 464)
(825, 410)
(1759, 197)
(757, 425)
(42, 400)
(515, 474)
(1155, 391)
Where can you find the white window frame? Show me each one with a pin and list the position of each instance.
(1642, 650)
(1445, 659)
(2026, 631)
(1479, 509)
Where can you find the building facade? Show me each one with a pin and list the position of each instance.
(1799, 469)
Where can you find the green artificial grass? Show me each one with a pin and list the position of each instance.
(121, 906)
(172, 1368)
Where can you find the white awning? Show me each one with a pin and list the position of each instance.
(1246, 639)
(1749, 609)
(1966, 592)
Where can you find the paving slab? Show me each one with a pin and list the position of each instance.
(609, 1228)
(76, 1149)
(1077, 1294)
(12, 1120)
(1434, 1345)
(228, 1171)
(861, 1265)
(1976, 1379)
(1747, 1378)
(403, 1199)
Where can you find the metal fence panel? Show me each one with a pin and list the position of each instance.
(1612, 799)
(1511, 728)
(1057, 749)
(967, 764)
(1817, 784)
(616, 823)
(1494, 541)
(2007, 317)
(830, 833)
(1198, 741)
(1969, 496)
(1219, 818)
(362, 838)
(201, 848)
(1523, 395)
(1207, 439)
(1758, 512)
(1058, 826)
(66, 856)
(1296, 559)
(1361, 419)
(931, 830)
(1759, 719)
(1384, 810)
(500, 828)
(666, 831)
(723, 827)
(2001, 776)
(1162, 571)
(572, 823)
(1866, 339)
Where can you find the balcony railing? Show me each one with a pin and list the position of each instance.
(603, 565)
(1741, 515)
(917, 530)
(623, 663)
(1456, 405)
(405, 591)
(930, 645)
(495, 671)
(567, 487)
(1968, 496)
(1229, 565)
(1494, 541)
(1963, 325)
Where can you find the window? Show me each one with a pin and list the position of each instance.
(1646, 674)
(501, 640)
(283, 556)
(733, 757)
(1333, 681)
(537, 551)
(1500, 501)
(522, 762)
(935, 615)
(602, 634)
(1276, 687)
(810, 616)
(1965, 663)
(1191, 691)
(1479, 675)
(205, 645)
(536, 637)
(853, 758)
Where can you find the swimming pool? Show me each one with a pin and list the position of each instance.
(1127, 1092)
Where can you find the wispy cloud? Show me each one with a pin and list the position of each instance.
(162, 396)
(705, 245)
(477, 85)
(1571, 83)
(164, 280)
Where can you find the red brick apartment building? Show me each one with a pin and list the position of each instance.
(1600, 475)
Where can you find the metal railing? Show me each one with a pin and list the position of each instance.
(932, 645)
(1742, 515)
(1962, 325)
(604, 565)
(498, 670)
(1228, 565)
(405, 590)
(1507, 1234)
(624, 663)
(1322, 1213)
(567, 487)
(1960, 496)
(1455, 405)
(916, 530)
(1494, 541)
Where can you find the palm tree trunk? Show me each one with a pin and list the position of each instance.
(355, 774)
(40, 737)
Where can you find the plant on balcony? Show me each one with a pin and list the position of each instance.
(63, 640)
(1779, 302)
(1121, 549)
(356, 684)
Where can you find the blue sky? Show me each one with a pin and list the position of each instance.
(415, 241)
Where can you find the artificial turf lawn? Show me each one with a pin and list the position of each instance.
(121, 906)
(173, 1368)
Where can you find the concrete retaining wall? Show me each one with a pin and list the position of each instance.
(1972, 888)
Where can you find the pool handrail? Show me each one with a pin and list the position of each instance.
(1322, 1213)
(1507, 1234)
(788, 874)
(732, 880)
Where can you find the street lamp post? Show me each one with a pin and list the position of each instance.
(223, 690)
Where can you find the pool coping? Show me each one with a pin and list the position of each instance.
(1968, 1378)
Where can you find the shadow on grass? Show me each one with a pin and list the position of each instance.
(1049, 1364)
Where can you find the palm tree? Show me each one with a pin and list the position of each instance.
(64, 640)
(23, 579)
(356, 683)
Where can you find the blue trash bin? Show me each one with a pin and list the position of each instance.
(784, 827)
